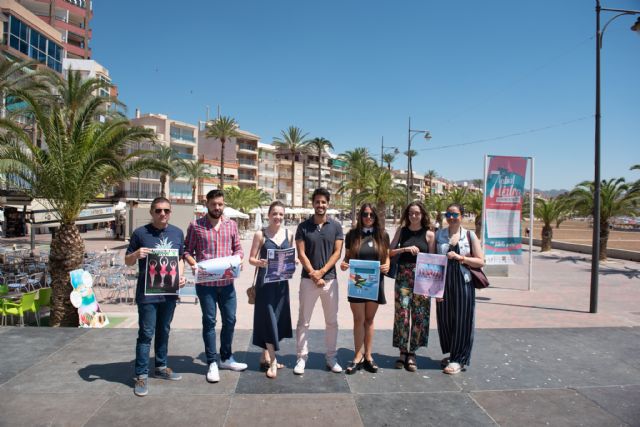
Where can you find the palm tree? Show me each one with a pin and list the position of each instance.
(616, 198)
(473, 205)
(437, 203)
(410, 155)
(168, 163)
(17, 77)
(194, 172)
(319, 145)
(457, 195)
(549, 211)
(245, 199)
(360, 165)
(293, 140)
(380, 189)
(222, 128)
(83, 158)
(388, 158)
(430, 175)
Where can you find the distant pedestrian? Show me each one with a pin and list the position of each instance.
(456, 311)
(155, 312)
(215, 236)
(319, 244)
(272, 312)
(412, 311)
(367, 241)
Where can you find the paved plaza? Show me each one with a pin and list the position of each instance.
(539, 358)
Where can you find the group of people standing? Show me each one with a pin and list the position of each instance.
(319, 242)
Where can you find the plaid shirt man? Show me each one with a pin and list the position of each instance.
(204, 242)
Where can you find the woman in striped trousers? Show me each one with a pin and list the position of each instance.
(456, 311)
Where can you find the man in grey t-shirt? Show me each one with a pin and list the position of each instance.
(319, 244)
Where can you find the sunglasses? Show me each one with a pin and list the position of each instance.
(368, 215)
(454, 215)
(159, 211)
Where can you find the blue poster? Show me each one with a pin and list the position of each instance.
(364, 279)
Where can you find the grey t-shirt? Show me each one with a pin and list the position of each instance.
(319, 243)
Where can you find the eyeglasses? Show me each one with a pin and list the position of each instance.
(454, 215)
(159, 211)
(368, 215)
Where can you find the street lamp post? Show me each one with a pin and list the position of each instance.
(410, 134)
(382, 153)
(595, 253)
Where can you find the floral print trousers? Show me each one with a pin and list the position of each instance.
(411, 317)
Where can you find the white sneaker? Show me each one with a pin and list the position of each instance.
(213, 376)
(231, 364)
(333, 365)
(299, 368)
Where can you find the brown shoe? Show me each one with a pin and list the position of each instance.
(411, 365)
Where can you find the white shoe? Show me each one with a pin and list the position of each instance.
(299, 368)
(333, 365)
(213, 376)
(231, 364)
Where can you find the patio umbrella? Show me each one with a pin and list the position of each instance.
(258, 223)
(233, 213)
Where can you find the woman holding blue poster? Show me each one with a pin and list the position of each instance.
(367, 241)
(456, 311)
(411, 317)
(272, 313)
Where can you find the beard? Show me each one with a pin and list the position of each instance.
(214, 214)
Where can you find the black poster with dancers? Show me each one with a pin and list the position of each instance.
(162, 276)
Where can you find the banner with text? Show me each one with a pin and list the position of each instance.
(503, 209)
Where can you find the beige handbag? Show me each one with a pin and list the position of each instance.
(251, 291)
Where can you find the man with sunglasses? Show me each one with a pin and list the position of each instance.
(155, 312)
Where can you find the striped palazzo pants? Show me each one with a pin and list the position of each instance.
(456, 315)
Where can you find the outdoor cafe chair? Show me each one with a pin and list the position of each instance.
(44, 299)
(26, 304)
(35, 280)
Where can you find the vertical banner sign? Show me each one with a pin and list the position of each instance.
(503, 209)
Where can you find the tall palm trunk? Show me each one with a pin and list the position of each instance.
(67, 253)
(353, 211)
(547, 237)
(193, 194)
(163, 183)
(604, 240)
(319, 170)
(293, 183)
(223, 142)
(478, 223)
(381, 207)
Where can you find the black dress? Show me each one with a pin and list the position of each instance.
(272, 311)
(367, 252)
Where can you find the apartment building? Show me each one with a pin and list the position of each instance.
(418, 183)
(70, 18)
(268, 169)
(183, 139)
(25, 36)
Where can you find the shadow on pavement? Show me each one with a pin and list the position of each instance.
(533, 306)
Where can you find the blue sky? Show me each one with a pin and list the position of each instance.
(510, 78)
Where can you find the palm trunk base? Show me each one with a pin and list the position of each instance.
(67, 252)
(547, 237)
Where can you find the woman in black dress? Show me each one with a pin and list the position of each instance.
(367, 241)
(272, 312)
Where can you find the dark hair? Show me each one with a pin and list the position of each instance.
(160, 199)
(214, 194)
(424, 222)
(456, 205)
(381, 244)
(275, 204)
(321, 192)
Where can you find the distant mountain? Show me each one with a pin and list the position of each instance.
(550, 193)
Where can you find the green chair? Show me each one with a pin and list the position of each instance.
(44, 299)
(4, 289)
(26, 304)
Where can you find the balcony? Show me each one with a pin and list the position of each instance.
(247, 163)
(247, 148)
(185, 156)
(76, 50)
(136, 195)
(182, 137)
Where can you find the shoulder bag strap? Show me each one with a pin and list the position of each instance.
(470, 243)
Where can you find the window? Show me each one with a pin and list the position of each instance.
(32, 43)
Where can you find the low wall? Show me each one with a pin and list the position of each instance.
(586, 249)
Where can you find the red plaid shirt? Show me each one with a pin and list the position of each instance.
(205, 242)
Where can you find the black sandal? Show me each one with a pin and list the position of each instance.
(353, 367)
(402, 360)
(370, 366)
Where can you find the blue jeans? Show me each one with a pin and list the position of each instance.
(153, 319)
(225, 298)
